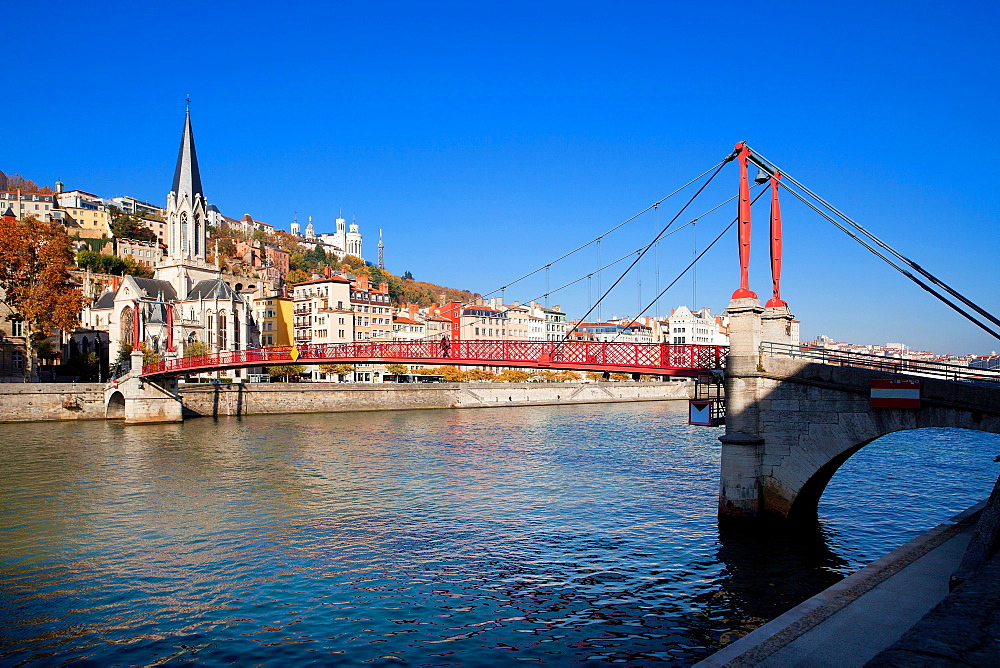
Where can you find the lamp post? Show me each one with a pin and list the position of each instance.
(97, 349)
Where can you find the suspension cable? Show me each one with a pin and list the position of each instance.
(913, 265)
(597, 239)
(648, 246)
(597, 272)
(687, 268)
(892, 264)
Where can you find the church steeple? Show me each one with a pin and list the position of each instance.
(187, 211)
(187, 178)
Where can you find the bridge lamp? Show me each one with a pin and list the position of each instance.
(762, 176)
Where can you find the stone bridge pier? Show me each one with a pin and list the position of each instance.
(791, 423)
(139, 401)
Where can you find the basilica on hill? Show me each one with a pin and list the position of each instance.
(187, 301)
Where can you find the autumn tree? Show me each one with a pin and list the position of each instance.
(18, 182)
(35, 284)
(397, 369)
(514, 375)
(480, 374)
(451, 374)
(296, 276)
(196, 348)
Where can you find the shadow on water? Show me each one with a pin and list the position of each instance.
(767, 570)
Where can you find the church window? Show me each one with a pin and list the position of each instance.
(127, 322)
(221, 338)
(184, 232)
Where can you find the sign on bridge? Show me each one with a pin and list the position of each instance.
(895, 394)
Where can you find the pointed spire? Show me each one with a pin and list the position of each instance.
(187, 178)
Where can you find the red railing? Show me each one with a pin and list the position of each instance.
(646, 358)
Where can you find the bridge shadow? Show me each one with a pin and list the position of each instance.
(770, 568)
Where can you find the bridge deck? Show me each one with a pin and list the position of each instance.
(643, 358)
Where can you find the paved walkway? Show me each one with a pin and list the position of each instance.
(851, 622)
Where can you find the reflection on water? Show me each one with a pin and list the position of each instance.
(579, 534)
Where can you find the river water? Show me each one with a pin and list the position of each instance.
(563, 535)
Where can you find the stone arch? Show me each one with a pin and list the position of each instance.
(805, 501)
(808, 419)
(115, 409)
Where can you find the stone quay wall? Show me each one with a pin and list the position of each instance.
(262, 398)
(28, 402)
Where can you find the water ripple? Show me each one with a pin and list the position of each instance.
(581, 535)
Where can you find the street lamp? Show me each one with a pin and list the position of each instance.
(97, 349)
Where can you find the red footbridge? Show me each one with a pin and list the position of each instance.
(661, 359)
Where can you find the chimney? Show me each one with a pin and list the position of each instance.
(116, 282)
(383, 287)
(327, 272)
(412, 308)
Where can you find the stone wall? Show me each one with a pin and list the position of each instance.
(255, 399)
(26, 402)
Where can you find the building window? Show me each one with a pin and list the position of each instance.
(16, 328)
(17, 359)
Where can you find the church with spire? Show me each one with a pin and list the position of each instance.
(187, 301)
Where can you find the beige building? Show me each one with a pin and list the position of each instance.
(87, 223)
(274, 319)
(322, 311)
(22, 204)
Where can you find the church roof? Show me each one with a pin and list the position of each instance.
(213, 288)
(187, 178)
(106, 300)
(154, 288)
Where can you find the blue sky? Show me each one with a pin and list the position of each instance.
(486, 139)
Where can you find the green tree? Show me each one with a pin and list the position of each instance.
(339, 370)
(127, 225)
(285, 371)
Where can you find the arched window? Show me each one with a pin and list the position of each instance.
(125, 331)
(86, 345)
(221, 335)
(184, 232)
(155, 344)
(236, 330)
(210, 329)
(197, 234)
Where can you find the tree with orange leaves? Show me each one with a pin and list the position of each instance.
(35, 284)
